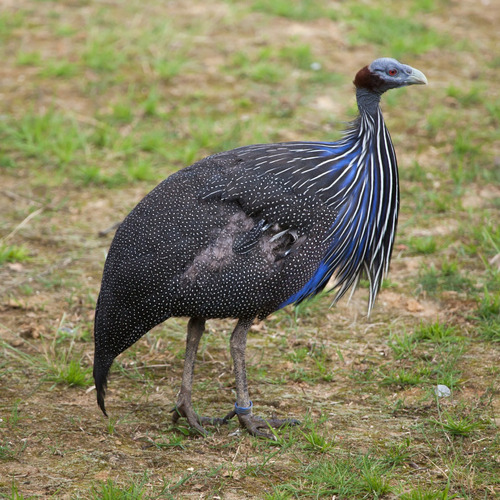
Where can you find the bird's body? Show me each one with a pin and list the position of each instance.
(214, 239)
(243, 233)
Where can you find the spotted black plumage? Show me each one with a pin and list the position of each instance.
(243, 233)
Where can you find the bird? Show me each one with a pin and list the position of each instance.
(243, 233)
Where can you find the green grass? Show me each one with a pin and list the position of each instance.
(59, 69)
(425, 245)
(448, 277)
(488, 316)
(109, 490)
(11, 21)
(426, 357)
(71, 373)
(29, 58)
(58, 363)
(57, 366)
(299, 56)
(466, 97)
(349, 477)
(316, 442)
(302, 10)
(427, 494)
(51, 136)
(16, 495)
(436, 333)
(101, 53)
(6, 451)
(398, 454)
(404, 377)
(262, 69)
(396, 35)
(14, 414)
(13, 253)
(457, 426)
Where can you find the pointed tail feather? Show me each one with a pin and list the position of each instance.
(101, 370)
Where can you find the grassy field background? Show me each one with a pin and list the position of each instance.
(101, 100)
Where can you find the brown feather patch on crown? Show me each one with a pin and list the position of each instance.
(365, 79)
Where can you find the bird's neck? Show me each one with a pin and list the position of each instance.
(368, 101)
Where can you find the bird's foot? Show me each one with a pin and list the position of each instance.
(255, 425)
(185, 410)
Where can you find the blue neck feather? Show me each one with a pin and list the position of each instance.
(361, 183)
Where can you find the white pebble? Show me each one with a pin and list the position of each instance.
(442, 391)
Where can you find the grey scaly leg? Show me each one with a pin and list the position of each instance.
(238, 344)
(251, 422)
(184, 408)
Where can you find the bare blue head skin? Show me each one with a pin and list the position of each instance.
(381, 75)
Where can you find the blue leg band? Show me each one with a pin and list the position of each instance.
(239, 410)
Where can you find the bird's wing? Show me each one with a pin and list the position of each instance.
(281, 211)
(319, 170)
(263, 193)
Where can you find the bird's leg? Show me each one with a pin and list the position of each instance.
(184, 408)
(243, 407)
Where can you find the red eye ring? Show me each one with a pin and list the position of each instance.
(393, 72)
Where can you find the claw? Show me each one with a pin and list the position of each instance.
(229, 416)
(188, 413)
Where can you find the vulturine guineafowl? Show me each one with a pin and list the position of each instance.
(243, 233)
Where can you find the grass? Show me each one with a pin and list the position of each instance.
(13, 253)
(109, 490)
(104, 100)
(316, 442)
(425, 245)
(302, 10)
(426, 494)
(448, 277)
(457, 426)
(488, 316)
(397, 35)
(398, 454)
(427, 357)
(347, 477)
(436, 333)
(57, 363)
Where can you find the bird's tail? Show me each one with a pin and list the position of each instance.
(116, 328)
(101, 370)
(102, 359)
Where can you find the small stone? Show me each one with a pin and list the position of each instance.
(442, 391)
(15, 266)
(414, 306)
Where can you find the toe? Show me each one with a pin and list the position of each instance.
(277, 423)
(215, 421)
(256, 425)
(191, 417)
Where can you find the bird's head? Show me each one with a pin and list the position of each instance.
(385, 73)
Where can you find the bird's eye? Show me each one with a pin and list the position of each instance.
(393, 72)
